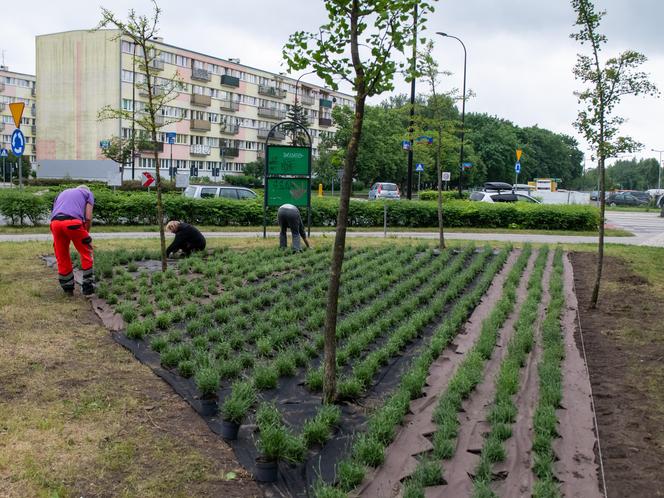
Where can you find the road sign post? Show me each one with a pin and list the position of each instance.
(419, 168)
(170, 138)
(3, 155)
(517, 170)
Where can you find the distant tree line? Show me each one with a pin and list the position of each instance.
(490, 146)
(624, 174)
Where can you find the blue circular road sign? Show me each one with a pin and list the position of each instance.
(517, 167)
(18, 142)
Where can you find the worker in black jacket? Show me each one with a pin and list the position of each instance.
(187, 238)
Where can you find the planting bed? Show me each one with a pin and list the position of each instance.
(453, 368)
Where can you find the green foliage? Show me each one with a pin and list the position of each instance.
(207, 380)
(237, 403)
(19, 206)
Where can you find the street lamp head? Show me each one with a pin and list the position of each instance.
(441, 33)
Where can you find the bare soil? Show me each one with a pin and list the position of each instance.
(625, 349)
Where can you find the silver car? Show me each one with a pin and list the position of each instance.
(382, 190)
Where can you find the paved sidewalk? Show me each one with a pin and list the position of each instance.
(649, 240)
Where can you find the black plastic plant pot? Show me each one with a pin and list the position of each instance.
(209, 407)
(266, 469)
(229, 430)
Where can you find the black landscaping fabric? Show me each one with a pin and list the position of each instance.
(295, 402)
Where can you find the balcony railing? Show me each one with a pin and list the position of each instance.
(230, 151)
(2, 88)
(200, 125)
(33, 129)
(2, 126)
(2, 106)
(159, 120)
(228, 80)
(276, 135)
(200, 74)
(156, 90)
(33, 92)
(230, 129)
(33, 110)
(229, 105)
(270, 112)
(272, 91)
(201, 100)
(200, 150)
(148, 146)
(157, 64)
(306, 100)
(324, 122)
(325, 102)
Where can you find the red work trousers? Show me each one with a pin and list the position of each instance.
(64, 232)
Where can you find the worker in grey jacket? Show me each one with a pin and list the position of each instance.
(288, 216)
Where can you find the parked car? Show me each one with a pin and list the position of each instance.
(227, 192)
(501, 192)
(625, 199)
(382, 190)
(594, 195)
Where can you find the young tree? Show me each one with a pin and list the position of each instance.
(297, 114)
(359, 44)
(141, 30)
(428, 69)
(119, 150)
(607, 82)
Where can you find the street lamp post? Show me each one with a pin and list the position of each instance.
(659, 170)
(133, 112)
(463, 106)
(297, 86)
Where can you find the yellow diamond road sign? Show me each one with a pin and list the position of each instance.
(518, 154)
(17, 112)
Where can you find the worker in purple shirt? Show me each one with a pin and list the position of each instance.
(71, 219)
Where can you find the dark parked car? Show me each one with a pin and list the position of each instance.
(625, 199)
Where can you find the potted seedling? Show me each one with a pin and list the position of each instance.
(275, 443)
(207, 381)
(235, 407)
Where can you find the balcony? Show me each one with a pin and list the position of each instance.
(276, 135)
(325, 103)
(200, 125)
(270, 112)
(33, 110)
(156, 91)
(272, 91)
(306, 100)
(200, 150)
(156, 64)
(229, 105)
(147, 146)
(33, 129)
(201, 100)
(2, 126)
(324, 122)
(2, 106)
(200, 74)
(230, 129)
(230, 151)
(2, 88)
(229, 80)
(33, 91)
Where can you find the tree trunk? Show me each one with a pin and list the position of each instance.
(600, 247)
(441, 235)
(153, 136)
(330, 351)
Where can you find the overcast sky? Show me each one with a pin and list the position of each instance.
(520, 56)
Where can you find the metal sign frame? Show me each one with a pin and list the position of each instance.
(267, 177)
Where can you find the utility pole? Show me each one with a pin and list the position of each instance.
(409, 183)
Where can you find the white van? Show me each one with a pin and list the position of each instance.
(227, 192)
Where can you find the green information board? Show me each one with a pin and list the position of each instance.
(287, 191)
(288, 160)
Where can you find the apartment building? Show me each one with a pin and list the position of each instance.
(221, 113)
(18, 87)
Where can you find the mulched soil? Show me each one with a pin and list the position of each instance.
(629, 418)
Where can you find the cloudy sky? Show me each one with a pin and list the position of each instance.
(520, 55)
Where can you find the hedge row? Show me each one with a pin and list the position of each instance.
(139, 209)
(448, 195)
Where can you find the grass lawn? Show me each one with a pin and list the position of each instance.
(610, 232)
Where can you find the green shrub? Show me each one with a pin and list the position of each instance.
(448, 195)
(139, 208)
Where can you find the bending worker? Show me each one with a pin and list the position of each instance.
(288, 216)
(71, 219)
(187, 238)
